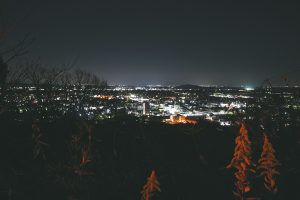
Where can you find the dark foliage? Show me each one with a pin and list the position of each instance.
(190, 161)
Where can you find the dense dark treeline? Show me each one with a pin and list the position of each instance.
(77, 159)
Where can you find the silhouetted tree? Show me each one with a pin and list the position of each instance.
(3, 72)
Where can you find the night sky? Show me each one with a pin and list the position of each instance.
(165, 41)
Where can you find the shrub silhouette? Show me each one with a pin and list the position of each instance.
(151, 187)
(267, 164)
(241, 161)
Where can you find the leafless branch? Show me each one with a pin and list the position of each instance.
(20, 49)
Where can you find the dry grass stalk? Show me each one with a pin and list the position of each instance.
(84, 157)
(39, 145)
(241, 161)
(267, 164)
(151, 187)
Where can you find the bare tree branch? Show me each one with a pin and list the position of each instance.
(20, 49)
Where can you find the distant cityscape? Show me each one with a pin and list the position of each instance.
(172, 105)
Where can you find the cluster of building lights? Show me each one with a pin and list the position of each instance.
(173, 105)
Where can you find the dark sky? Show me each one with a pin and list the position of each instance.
(166, 41)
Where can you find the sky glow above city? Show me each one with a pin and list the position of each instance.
(165, 42)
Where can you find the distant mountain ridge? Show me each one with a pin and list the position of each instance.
(187, 86)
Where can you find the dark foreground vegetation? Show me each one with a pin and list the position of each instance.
(70, 158)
